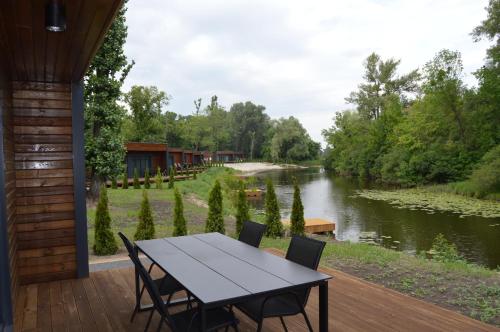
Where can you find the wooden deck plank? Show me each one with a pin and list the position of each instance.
(105, 301)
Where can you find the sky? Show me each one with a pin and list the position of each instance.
(297, 58)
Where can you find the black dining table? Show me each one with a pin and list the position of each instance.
(218, 270)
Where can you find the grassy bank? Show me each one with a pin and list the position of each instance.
(466, 288)
(430, 199)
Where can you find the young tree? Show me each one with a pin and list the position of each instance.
(297, 222)
(104, 149)
(145, 227)
(215, 220)
(171, 178)
(125, 181)
(114, 185)
(137, 184)
(273, 217)
(105, 242)
(159, 179)
(194, 173)
(242, 210)
(179, 220)
(147, 184)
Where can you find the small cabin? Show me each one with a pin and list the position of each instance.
(188, 157)
(142, 156)
(228, 156)
(175, 156)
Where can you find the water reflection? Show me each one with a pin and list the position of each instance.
(329, 197)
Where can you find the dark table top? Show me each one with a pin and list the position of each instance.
(216, 268)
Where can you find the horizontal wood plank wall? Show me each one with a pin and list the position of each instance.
(43, 161)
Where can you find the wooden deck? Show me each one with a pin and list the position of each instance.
(315, 225)
(104, 302)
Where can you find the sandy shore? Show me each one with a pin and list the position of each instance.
(253, 168)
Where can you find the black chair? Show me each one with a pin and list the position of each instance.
(167, 286)
(303, 251)
(185, 321)
(252, 233)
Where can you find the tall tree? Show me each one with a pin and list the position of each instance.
(104, 149)
(273, 218)
(242, 210)
(180, 228)
(146, 104)
(215, 220)
(381, 81)
(297, 223)
(290, 141)
(217, 125)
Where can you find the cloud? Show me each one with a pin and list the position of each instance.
(297, 58)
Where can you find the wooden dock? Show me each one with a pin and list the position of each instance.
(316, 225)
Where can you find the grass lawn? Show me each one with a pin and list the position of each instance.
(466, 288)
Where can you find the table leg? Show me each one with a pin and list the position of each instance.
(323, 307)
(137, 287)
(203, 318)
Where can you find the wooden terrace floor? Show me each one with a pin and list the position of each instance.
(104, 302)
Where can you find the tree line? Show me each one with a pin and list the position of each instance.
(425, 126)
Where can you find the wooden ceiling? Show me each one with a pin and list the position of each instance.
(31, 53)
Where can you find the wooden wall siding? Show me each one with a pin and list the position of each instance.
(44, 200)
(10, 188)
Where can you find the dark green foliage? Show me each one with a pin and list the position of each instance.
(242, 210)
(297, 222)
(215, 220)
(125, 181)
(273, 217)
(105, 242)
(137, 184)
(444, 251)
(159, 179)
(147, 183)
(114, 185)
(104, 150)
(171, 178)
(179, 220)
(194, 173)
(145, 227)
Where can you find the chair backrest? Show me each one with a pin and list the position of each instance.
(128, 244)
(252, 233)
(306, 252)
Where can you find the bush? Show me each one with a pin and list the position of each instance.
(114, 185)
(179, 220)
(159, 179)
(297, 222)
(105, 242)
(147, 184)
(125, 181)
(194, 174)
(215, 220)
(146, 227)
(242, 211)
(171, 178)
(273, 217)
(137, 184)
(444, 251)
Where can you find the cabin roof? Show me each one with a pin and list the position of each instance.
(145, 147)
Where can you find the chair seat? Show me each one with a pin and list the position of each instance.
(279, 305)
(216, 319)
(168, 285)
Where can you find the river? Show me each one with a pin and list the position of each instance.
(327, 196)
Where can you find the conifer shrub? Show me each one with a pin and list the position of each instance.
(215, 220)
(147, 184)
(145, 227)
(137, 184)
(104, 240)
(242, 210)
(171, 178)
(159, 179)
(297, 223)
(194, 173)
(180, 228)
(125, 181)
(273, 217)
(114, 185)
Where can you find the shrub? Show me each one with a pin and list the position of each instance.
(273, 217)
(105, 242)
(137, 184)
(297, 222)
(171, 178)
(179, 220)
(444, 251)
(114, 185)
(146, 227)
(125, 181)
(159, 179)
(194, 174)
(147, 184)
(242, 211)
(215, 220)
